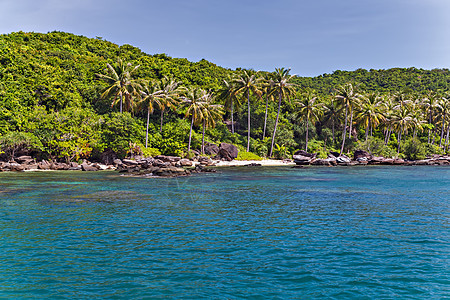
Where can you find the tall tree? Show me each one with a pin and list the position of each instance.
(268, 92)
(121, 84)
(227, 93)
(346, 96)
(210, 114)
(151, 95)
(194, 101)
(284, 87)
(310, 110)
(172, 92)
(370, 111)
(331, 114)
(248, 84)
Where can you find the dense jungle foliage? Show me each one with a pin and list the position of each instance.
(71, 97)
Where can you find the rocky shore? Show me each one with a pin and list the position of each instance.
(362, 157)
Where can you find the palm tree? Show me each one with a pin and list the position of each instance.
(228, 94)
(268, 93)
(194, 100)
(331, 114)
(369, 112)
(120, 83)
(310, 110)
(402, 122)
(346, 96)
(283, 86)
(443, 110)
(151, 95)
(248, 84)
(430, 102)
(172, 91)
(210, 114)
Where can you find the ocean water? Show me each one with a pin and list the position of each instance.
(259, 233)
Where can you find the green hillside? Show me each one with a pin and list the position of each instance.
(51, 104)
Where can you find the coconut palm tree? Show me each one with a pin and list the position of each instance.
(284, 87)
(268, 92)
(227, 93)
(194, 100)
(346, 97)
(430, 103)
(151, 95)
(210, 114)
(443, 107)
(402, 122)
(310, 110)
(245, 85)
(369, 112)
(331, 111)
(172, 92)
(121, 85)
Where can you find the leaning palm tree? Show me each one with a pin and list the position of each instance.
(227, 93)
(245, 85)
(121, 85)
(284, 87)
(268, 92)
(346, 96)
(309, 109)
(194, 100)
(210, 114)
(151, 95)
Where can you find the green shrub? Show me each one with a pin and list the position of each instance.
(14, 141)
(376, 146)
(150, 152)
(242, 155)
(413, 149)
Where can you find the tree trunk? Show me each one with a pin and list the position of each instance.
(429, 130)
(146, 133)
(333, 133)
(190, 134)
(162, 115)
(351, 123)
(307, 129)
(399, 140)
(448, 132)
(265, 118)
(203, 138)
(121, 97)
(367, 129)
(442, 130)
(345, 129)
(232, 120)
(248, 123)
(276, 124)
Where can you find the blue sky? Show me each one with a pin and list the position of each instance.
(310, 37)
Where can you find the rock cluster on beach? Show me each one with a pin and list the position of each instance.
(362, 157)
(166, 166)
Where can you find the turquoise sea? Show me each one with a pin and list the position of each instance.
(248, 232)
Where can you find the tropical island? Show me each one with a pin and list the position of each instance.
(71, 99)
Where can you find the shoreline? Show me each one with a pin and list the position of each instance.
(263, 163)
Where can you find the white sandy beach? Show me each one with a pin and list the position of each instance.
(264, 162)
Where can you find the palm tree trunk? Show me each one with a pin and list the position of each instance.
(442, 130)
(121, 97)
(265, 117)
(333, 132)
(190, 134)
(162, 115)
(367, 129)
(399, 140)
(203, 138)
(146, 133)
(276, 124)
(307, 129)
(448, 132)
(248, 123)
(345, 129)
(232, 120)
(351, 123)
(429, 130)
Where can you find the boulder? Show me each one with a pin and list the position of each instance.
(44, 165)
(25, 159)
(166, 158)
(361, 154)
(231, 149)
(117, 162)
(86, 167)
(16, 167)
(343, 159)
(211, 149)
(130, 162)
(304, 158)
(185, 162)
(223, 154)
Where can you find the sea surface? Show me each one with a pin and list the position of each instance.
(243, 233)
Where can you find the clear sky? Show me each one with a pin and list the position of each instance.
(311, 37)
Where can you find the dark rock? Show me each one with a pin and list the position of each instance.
(61, 166)
(304, 153)
(166, 158)
(335, 154)
(358, 154)
(44, 165)
(304, 158)
(253, 165)
(211, 149)
(117, 162)
(16, 167)
(231, 149)
(223, 154)
(343, 159)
